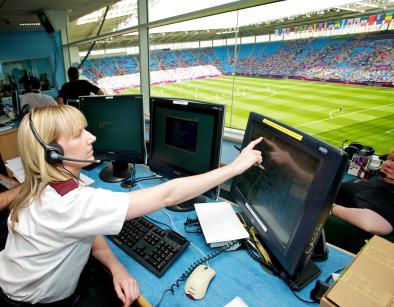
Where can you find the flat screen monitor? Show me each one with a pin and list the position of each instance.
(185, 139)
(288, 202)
(118, 124)
(74, 103)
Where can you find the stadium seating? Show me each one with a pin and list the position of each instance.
(367, 59)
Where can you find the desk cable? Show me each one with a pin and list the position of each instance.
(177, 231)
(191, 268)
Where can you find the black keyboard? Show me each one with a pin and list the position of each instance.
(155, 248)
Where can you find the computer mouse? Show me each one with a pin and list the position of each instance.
(197, 284)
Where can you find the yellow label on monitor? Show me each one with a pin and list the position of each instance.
(283, 129)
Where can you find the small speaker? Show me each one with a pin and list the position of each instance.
(44, 20)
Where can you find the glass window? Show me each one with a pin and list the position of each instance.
(14, 75)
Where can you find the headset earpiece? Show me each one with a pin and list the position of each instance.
(52, 152)
(358, 148)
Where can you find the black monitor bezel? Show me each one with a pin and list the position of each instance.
(171, 171)
(109, 154)
(327, 179)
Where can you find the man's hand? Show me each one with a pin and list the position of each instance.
(388, 169)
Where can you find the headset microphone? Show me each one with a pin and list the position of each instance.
(54, 152)
(55, 156)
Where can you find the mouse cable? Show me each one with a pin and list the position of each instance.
(191, 268)
(177, 231)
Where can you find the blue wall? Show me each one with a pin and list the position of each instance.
(31, 45)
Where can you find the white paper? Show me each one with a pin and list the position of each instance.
(5, 128)
(236, 302)
(16, 167)
(219, 222)
(87, 180)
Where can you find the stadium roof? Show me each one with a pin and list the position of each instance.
(82, 31)
(21, 15)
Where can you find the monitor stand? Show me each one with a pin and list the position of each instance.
(116, 172)
(188, 205)
(300, 280)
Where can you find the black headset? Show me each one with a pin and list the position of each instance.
(358, 148)
(54, 153)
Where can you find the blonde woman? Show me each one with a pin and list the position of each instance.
(56, 222)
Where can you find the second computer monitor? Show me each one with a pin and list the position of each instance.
(185, 139)
(118, 123)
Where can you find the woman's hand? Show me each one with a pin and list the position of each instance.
(247, 157)
(126, 287)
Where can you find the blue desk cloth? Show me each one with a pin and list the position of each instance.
(237, 274)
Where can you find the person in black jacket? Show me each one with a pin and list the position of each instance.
(369, 204)
(76, 87)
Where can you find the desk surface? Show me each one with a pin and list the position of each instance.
(236, 273)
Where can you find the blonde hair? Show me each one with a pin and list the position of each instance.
(50, 122)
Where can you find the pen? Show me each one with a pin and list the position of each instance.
(258, 165)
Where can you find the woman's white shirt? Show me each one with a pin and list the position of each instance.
(46, 253)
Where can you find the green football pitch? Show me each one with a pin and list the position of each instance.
(331, 112)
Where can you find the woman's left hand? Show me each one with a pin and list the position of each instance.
(126, 287)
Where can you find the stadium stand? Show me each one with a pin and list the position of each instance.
(364, 60)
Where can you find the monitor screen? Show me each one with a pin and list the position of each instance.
(118, 124)
(289, 201)
(185, 137)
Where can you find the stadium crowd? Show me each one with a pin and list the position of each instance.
(367, 59)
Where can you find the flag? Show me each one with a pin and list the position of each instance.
(379, 19)
(357, 21)
(337, 25)
(364, 21)
(343, 23)
(371, 20)
(278, 32)
(388, 17)
(296, 29)
(310, 28)
(330, 25)
(350, 22)
(286, 31)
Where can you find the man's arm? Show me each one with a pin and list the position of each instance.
(7, 197)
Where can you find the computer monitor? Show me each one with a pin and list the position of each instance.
(185, 139)
(288, 202)
(74, 103)
(16, 106)
(118, 123)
